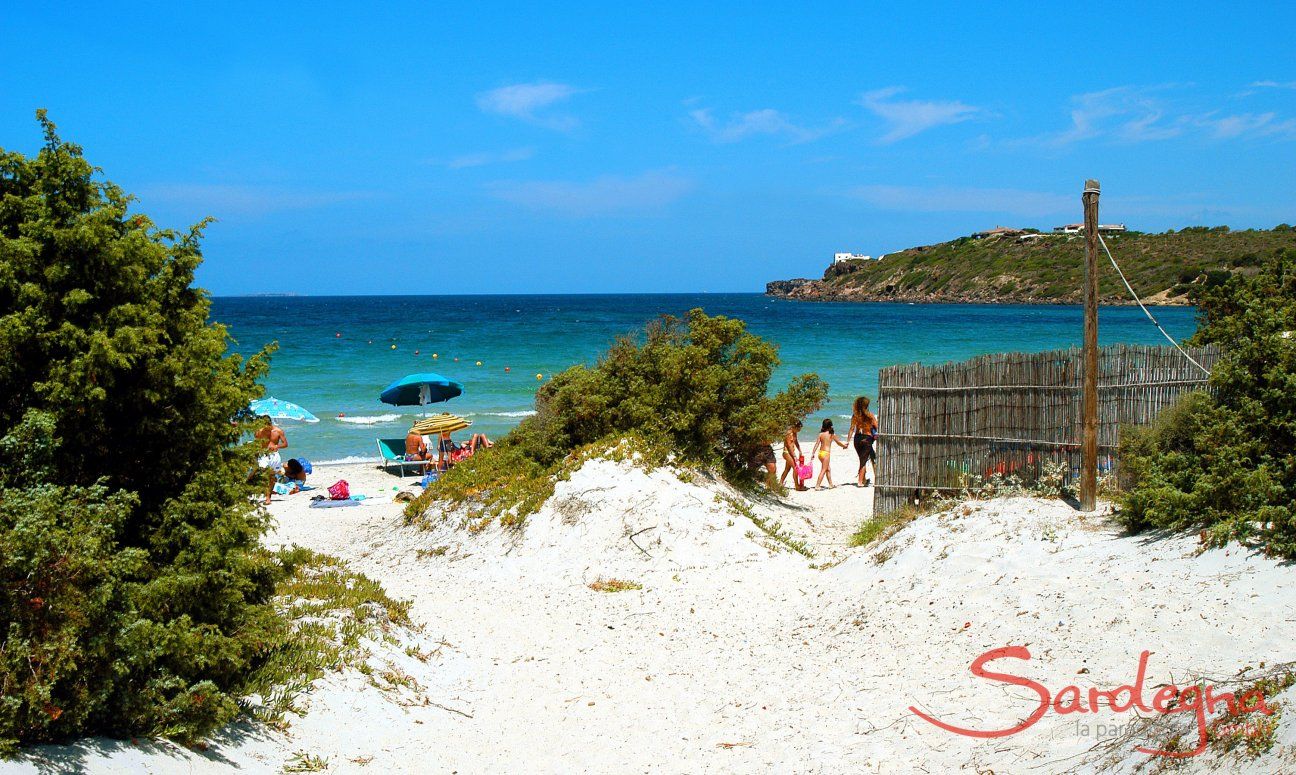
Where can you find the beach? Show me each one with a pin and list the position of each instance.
(736, 654)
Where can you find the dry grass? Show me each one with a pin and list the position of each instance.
(614, 585)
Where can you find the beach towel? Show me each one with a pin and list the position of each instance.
(328, 504)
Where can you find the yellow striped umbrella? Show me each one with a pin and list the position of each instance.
(440, 423)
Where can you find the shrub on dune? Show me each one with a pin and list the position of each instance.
(692, 390)
(133, 594)
(1224, 461)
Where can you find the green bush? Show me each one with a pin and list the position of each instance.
(133, 594)
(695, 391)
(1223, 461)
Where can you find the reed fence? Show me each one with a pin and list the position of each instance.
(1012, 413)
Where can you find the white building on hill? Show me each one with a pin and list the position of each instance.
(840, 257)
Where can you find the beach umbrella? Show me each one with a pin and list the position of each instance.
(440, 423)
(420, 389)
(281, 410)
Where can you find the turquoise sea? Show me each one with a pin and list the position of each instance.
(337, 353)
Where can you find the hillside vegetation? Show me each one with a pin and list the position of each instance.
(1163, 268)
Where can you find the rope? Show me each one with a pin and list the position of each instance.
(1139, 301)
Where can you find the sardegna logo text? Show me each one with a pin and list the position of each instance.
(1200, 700)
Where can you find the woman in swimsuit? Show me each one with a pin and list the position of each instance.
(823, 450)
(863, 431)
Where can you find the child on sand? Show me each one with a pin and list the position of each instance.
(791, 454)
(823, 450)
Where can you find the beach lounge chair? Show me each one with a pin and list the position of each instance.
(392, 452)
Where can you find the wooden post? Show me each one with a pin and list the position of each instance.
(1089, 397)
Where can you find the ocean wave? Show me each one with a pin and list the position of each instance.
(349, 459)
(370, 420)
(523, 413)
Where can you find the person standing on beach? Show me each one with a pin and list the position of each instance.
(791, 459)
(271, 438)
(862, 433)
(823, 450)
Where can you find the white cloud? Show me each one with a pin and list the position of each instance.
(606, 195)
(1274, 85)
(1247, 124)
(222, 199)
(1124, 113)
(909, 117)
(490, 157)
(1129, 114)
(531, 102)
(759, 122)
(973, 200)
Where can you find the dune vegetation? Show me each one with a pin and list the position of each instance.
(1222, 460)
(692, 391)
(135, 595)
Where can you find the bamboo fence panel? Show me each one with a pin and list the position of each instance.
(1012, 413)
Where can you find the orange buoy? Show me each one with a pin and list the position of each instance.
(506, 368)
(539, 376)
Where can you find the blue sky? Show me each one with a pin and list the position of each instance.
(610, 147)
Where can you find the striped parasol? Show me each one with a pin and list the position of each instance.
(440, 423)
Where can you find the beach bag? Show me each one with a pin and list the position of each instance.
(340, 490)
(804, 471)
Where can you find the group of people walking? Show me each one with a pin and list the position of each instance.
(862, 434)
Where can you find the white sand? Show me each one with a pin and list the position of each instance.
(734, 657)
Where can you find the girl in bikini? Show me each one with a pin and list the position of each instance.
(823, 450)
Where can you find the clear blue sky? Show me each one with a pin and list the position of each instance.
(614, 147)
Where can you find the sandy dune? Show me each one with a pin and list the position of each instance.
(737, 657)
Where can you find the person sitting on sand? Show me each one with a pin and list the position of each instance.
(792, 454)
(823, 450)
(290, 479)
(862, 433)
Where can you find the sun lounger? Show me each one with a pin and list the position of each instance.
(392, 452)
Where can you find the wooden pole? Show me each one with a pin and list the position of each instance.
(1089, 397)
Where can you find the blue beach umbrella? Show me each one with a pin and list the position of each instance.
(419, 389)
(281, 410)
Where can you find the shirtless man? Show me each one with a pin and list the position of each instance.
(272, 438)
(791, 442)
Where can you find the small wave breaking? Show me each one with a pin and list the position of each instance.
(377, 419)
(521, 413)
(349, 459)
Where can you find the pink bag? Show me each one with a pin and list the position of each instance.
(340, 490)
(804, 471)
